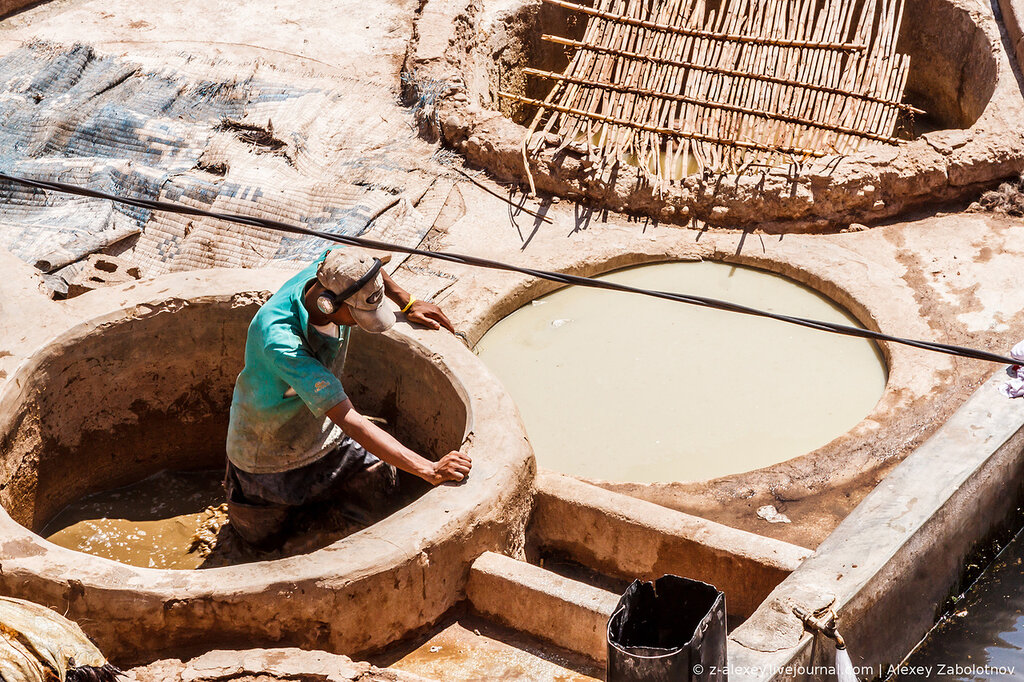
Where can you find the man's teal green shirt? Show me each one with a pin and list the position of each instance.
(272, 428)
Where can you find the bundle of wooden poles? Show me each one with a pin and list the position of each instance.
(676, 87)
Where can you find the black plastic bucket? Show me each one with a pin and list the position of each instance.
(670, 629)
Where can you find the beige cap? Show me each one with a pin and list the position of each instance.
(340, 270)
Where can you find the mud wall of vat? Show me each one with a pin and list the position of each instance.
(117, 401)
(353, 596)
(952, 71)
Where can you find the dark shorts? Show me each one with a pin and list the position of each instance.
(348, 477)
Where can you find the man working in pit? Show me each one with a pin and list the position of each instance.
(294, 437)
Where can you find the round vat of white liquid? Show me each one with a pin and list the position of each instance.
(621, 387)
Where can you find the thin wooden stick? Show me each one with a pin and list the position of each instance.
(744, 57)
(580, 62)
(641, 107)
(682, 81)
(751, 93)
(669, 78)
(727, 72)
(620, 33)
(621, 18)
(660, 131)
(810, 26)
(831, 106)
(572, 128)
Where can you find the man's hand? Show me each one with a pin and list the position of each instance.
(420, 312)
(429, 315)
(454, 466)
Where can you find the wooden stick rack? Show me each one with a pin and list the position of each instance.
(558, 40)
(681, 86)
(660, 131)
(714, 105)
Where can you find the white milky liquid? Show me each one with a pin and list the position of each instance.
(622, 387)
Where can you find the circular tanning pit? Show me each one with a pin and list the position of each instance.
(957, 76)
(952, 70)
(146, 387)
(620, 387)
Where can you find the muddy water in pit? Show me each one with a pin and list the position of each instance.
(622, 387)
(176, 519)
(150, 523)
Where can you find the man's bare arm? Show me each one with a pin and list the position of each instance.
(420, 312)
(452, 467)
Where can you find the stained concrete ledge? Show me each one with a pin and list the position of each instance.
(891, 563)
(354, 596)
(565, 612)
(622, 536)
(264, 665)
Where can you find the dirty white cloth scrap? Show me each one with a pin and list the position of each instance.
(1014, 388)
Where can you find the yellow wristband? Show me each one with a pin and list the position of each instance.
(409, 304)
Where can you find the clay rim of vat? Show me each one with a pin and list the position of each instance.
(894, 357)
(442, 510)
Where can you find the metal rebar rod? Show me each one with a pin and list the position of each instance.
(558, 40)
(715, 105)
(698, 33)
(658, 130)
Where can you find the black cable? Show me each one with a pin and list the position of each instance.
(561, 278)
